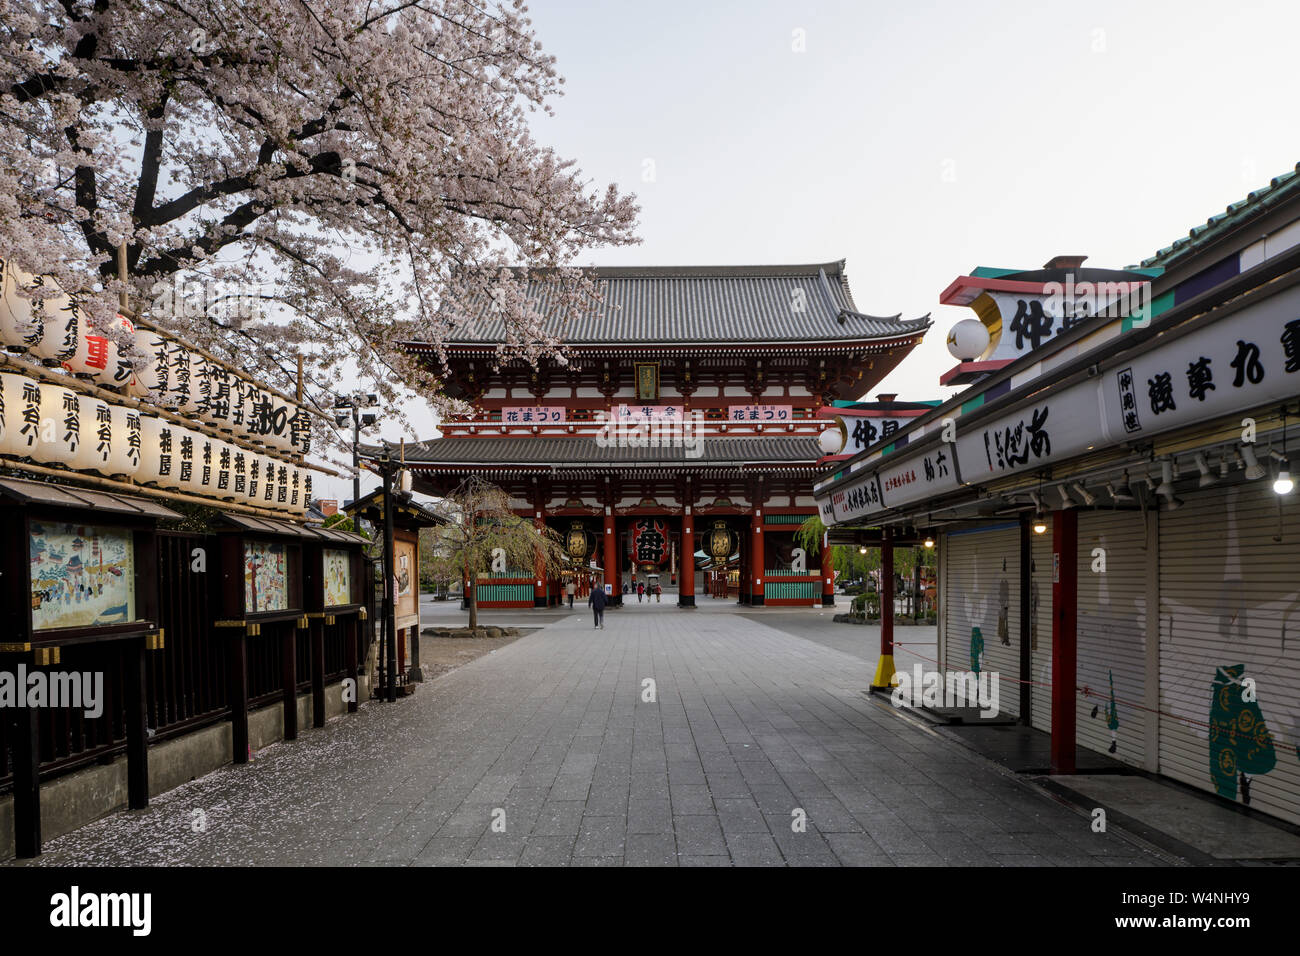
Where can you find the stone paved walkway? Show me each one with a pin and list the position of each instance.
(751, 727)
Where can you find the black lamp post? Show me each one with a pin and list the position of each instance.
(350, 407)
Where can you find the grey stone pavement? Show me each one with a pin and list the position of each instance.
(545, 752)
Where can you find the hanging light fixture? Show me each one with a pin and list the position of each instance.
(1166, 489)
(1254, 470)
(1122, 496)
(1082, 492)
(1040, 515)
(1283, 484)
(1066, 500)
(1203, 466)
(929, 541)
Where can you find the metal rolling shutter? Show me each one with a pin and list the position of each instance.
(1112, 633)
(1230, 604)
(978, 563)
(1041, 636)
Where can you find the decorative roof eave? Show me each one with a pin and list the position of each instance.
(546, 468)
(906, 340)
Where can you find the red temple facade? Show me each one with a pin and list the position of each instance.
(679, 442)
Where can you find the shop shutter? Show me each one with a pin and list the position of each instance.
(981, 590)
(1229, 610)
(1041, 635)
(1111, 633)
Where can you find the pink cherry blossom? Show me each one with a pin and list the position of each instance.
(368, 164)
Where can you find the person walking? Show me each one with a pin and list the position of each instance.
(596, 601)
(640, 591)
(572, 589)
(659, 594)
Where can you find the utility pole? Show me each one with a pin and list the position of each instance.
(390, 578)
(356, 456)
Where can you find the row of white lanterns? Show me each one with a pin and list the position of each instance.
(52, 424)
(53, 329)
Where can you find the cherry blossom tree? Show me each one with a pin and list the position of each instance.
(365, 165)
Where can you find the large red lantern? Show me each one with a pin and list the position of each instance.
(650, 542)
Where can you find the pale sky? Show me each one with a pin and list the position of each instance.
(916, 140)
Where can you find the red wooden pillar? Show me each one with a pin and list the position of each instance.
(686, 565)
(827, 560)
(756, 562)
(1065, 609)
(612, 576)
(885, 666)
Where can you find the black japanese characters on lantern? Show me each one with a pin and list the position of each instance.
(650, 541)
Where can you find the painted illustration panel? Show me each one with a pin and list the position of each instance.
(338, 577)
(81, 575)
(266, 577)
(406, 561)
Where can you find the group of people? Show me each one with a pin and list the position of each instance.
(644, 591)
(598, 600)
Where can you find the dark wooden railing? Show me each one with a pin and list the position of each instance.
(187, 681)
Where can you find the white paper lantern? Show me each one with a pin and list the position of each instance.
(239, 407)
(98, 357)
(270, 481)
(205, 464)
(280, 423)
(300, 432)
(192, 382)
(150, 470)
(831, 441)
(125, 452)
(968, 340)
(64, 425)
(20, 414)
(294, 502)
(253, 487)
(105, 436)
(181, 477)
(239, 474)
(169, 468)
(20, 323)
(222, 397)
(151, 380)
(63, 326)
(257, 420)
(223, 471)
(282, 486)
(200, 386)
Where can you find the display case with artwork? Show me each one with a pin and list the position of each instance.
(406, 561)
(89, 568)
(261, 569)
(334, 563)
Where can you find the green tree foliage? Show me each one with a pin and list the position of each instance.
(344, 522)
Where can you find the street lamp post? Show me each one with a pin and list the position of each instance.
(389, 466)
(350, 408)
